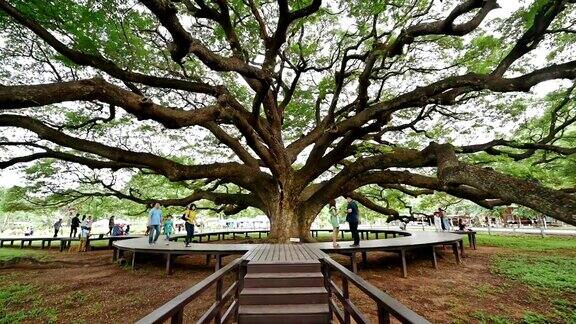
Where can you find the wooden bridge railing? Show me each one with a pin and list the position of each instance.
(174, 309)
(387, 306)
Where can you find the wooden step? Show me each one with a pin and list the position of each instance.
(284, 279)
(283, 295)
(280, 314)
(283, 267)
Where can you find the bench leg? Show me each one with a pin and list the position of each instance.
(62, 245)
(30, 243)
(21, 244)
(403, 257)
(218, 262)
(114, 255)
(208, 259)
(364, 259)
(133, 259)
(461, 243)
(168, 264)
(434, 260)
(353, 262)
(456, 253)
(376, 235)
(474, 240)
(43, 243)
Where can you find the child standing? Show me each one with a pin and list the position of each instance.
(168, 228)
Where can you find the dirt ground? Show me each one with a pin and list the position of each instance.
(89, 288)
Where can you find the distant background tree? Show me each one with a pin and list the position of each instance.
(285, 105)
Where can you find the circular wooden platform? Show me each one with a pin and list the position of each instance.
(401, 242)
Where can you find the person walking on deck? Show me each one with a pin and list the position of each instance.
(110, 225)
(168, 228)
(353, 219)
(155, 217)
(334, 221)
(57, 227)
(74, 224)
(190, 219)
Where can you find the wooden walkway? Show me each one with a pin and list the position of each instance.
(284, 253)
(284, 284)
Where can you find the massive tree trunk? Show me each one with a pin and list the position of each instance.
(289, 218)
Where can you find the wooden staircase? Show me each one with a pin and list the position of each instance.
(280, 290)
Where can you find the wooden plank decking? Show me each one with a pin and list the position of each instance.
(283, 253)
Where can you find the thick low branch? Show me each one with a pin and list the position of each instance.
(554, 203)
(23, 96)
(172, 170)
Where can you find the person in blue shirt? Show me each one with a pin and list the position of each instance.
(353, 218)
(155, 218)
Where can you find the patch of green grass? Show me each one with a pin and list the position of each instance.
(534, 318)
(15, 255)
(552, 272)
(565, 310)
(75, 298)
(20, 297)
(484, 317)
(15, 294)
(526, 242)
(486, 289)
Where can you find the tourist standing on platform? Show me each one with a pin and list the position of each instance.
(442, 216)
(168, 228)
(74, 224)
(148, 222)
(353, 219)
(57, 227)
(189, 218)
(334, 221)
(445, 220)
(110, 225)
(85, 228)
(154, 224)
(437, 220)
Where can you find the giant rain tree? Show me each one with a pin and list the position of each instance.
(306, 100)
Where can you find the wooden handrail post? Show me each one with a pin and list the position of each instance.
(219, 287)
(346, 295)
(383, 315)
(239, 286)
(178, 317)
(326, 272)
